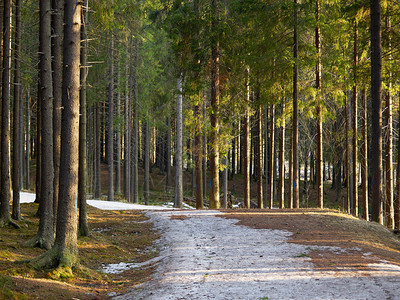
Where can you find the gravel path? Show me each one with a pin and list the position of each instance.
(208, 257)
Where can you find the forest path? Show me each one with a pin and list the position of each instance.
(205, 256)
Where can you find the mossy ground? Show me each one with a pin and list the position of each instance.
(116, 236)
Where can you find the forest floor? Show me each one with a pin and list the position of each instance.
(137, 253)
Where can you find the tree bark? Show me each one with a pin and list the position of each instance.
(376, 127)
(295, 125)
(355, 129)
(198, 157)
(281, 184)
(214, 116)
(57, 39)
(271, 156)
(179, 148)
(260, 202)
(16, 210)
(364, 157)
(82, 182)
(245, 147)
(97, 157)
(110, 137)
(319, 152)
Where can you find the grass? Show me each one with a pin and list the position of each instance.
(116, 236)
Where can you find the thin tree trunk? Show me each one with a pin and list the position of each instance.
(135, 127)
(16, 210)
(198, 157)
(260, 201)
(355, 129)
(319, 152)
(376, 127)
(110, 137)
(5, 119)
(245, 147)
(168, 160)
(146, 158)
(118, 140)
(389, 213)
(397, 199)
(281, 186)
(57, 26)
(214, 116)
(82, 183)
(97, 159)
(364, 157)
(295, 125)
(347, 164)
(179, 148)
(271, 156)
(27, 142)
(127, 138)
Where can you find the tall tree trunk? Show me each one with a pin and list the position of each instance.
(146, 160)
(259, 154)
(135, 127)
(319, 152)
(295, 125)
(27, 142)
(97, 155)
(290, 187)
(347, 164)
(271, 156)
(245, 147)
(397, 193)
(214, 116)
(45, 235)
(266, 154)
(376, 127)
(82, 182)
(389, 208)
(225, 184)
(118, 139)
(355, 129)
(16, 211)
(127, 137)
(281, 185)
(364, 157)
(57, 26)
(5, 118)
(168, 160)
(233, 152)
(110, 137)
(204, 110)
(65, 250)
(198, 157)
(179, 148)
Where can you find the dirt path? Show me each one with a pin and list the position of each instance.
(206, 256)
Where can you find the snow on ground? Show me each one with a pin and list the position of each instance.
(207, 257)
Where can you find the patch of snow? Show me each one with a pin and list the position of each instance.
(121, 267)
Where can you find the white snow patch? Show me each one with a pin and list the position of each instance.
(121, 267)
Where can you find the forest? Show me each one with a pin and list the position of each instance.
(288, 99)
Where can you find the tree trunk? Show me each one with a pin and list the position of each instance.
(347, 164)
(118, 139)
(295, 125)
(65, 250)
(271, 157)
(260, 202)
(97, 156)
(57, 26)
(82, 182)
(46, 223)
(127, 138)
(146, 160)
(198, 157)
(389, 208)
(110, 137)
(364, 157)
(27, 142)
(168, 160)
(245, 147)
(281, 186)
(319, 152)
(376, 127)
(135, 127)
(214, 116)
(204, 109)
(355, 129)
(5, 118)
(179, 148)
(16, 211)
